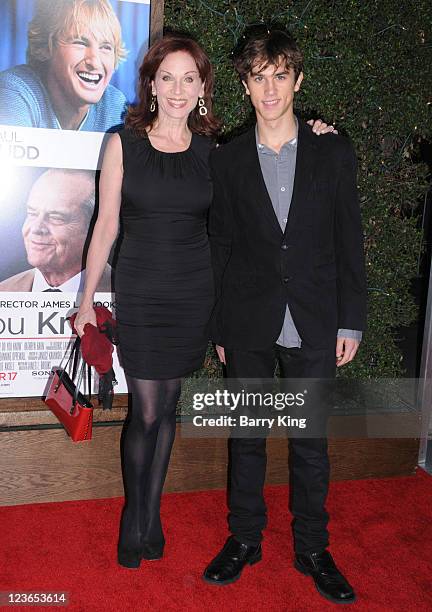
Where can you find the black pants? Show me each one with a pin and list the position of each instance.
(308, 457)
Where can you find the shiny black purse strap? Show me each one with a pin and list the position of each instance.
(89, 381)
(78, 385)
(73, 354)
(77, 357)
(78, 373)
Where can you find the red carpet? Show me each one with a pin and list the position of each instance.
(381, 534)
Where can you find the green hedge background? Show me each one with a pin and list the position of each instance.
(368, 71)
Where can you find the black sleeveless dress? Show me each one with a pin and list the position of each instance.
(163, 277)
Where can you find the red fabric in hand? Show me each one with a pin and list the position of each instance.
(96, 348)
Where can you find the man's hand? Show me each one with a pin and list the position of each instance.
(346, 349)
(221, 353)
(319, 127)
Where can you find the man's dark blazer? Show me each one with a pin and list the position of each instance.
(316, 265)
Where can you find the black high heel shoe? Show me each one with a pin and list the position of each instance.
(153, 550)
(153, 538)
(129, 546)
(129, 557)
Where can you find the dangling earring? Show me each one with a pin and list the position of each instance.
(202, 107)
(153, 104)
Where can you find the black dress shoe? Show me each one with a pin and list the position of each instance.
(227, 566)
(329, 582)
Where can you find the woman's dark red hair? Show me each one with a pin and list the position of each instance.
(140, 117)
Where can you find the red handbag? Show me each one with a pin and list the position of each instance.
(65, 400)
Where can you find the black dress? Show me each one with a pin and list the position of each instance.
(163, 279)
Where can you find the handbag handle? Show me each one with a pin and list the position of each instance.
(78, 367)
(77, 356)
(78, 385)
(75, 353)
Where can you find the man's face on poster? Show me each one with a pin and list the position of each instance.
(82, 67)
(57, 221)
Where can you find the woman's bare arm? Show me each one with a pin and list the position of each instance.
(105, 230)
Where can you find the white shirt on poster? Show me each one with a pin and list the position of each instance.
(72, 285)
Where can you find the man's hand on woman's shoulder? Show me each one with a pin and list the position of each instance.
(320, 127)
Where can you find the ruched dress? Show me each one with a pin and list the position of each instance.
(163, 277)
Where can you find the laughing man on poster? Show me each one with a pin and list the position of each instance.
(73, 50)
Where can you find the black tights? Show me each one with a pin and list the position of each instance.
(147, 441)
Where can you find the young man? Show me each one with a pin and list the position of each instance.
(287, 246)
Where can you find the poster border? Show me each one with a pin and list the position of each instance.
(156, 20)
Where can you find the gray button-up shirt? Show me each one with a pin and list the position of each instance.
(278, 171)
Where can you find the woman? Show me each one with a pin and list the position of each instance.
(73, 49)
(155, 172)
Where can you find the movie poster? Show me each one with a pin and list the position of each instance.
(68, 70)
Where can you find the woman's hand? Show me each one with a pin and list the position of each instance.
(319, 127)
(85, 314)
